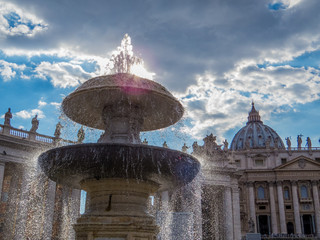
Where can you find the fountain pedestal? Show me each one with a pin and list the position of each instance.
(117, 209)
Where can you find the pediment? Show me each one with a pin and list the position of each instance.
(300, 163)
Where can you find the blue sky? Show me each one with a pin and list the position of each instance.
(215, 56)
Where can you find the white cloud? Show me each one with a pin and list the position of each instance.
(62, 74)
(55, 104)
(41, 103)
(26, 114)
(218, 105)
(7, 69)
(15, 21)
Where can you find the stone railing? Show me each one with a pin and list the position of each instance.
(289, 236)
(33, 136)
(286, 237)
(303, 148)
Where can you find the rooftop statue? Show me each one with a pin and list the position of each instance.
(288, 143)
(35, 124)
(299, 140)
(81, 135)
(309, 144)
(165, 144)
(225, 145)
(7, 117)
(57, 132)
(184, 148)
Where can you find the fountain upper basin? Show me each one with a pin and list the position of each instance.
(70, 165)
(158, 107)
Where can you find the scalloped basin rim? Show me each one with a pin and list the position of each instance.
(85, 105)
(72, 164)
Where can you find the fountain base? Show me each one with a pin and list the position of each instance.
(117, 209)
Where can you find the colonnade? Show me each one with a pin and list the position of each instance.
(280, 221)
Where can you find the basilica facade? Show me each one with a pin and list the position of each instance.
(259, 185)
(279, 185)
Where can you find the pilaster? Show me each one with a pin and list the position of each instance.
(296, 207)
(252, 206)
(228, 213)
(2, 168)
(315, 192)
(274, 224)
(236, 213)
(283, 227)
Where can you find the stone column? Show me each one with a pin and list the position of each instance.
(274, 223)
(252, 205)
(296, 207)
(49, 210)
(165, 201)
(2, 166)
(316, 206)
(283, 227)
(228, 213)
(236, 213)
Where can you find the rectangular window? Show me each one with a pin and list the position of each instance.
(259, 162)
(288, 206)
(262, 207)
(283, 160)
(306, 206)
(238, 163)
(317, 159)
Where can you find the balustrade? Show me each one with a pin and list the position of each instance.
(23, 134)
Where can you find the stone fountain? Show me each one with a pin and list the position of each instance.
(119, 173)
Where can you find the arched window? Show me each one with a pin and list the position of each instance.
(286, 193)
(304, 191)
(261, 194)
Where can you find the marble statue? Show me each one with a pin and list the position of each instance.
(165, 144)
(57, 132)
(225, 145)
(81, 135)
(35, 124)
(288, 143)
(184, 148)
(309, 144)
(7, 117)
(299, 140)
(251, 225)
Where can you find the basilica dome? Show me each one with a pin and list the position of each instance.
(256, 135)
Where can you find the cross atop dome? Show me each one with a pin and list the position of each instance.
(254, 115)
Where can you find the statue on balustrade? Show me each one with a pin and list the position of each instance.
(165, 145)
(184, 148)
(7, 117)
(81, 135)
(309, 144)
(299, 140)
(225, 145)
(35, 124)
(57, 132)
(288, 143)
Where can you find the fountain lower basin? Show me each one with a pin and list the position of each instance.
(72, 165)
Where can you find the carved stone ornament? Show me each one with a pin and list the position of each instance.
(302, 163)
